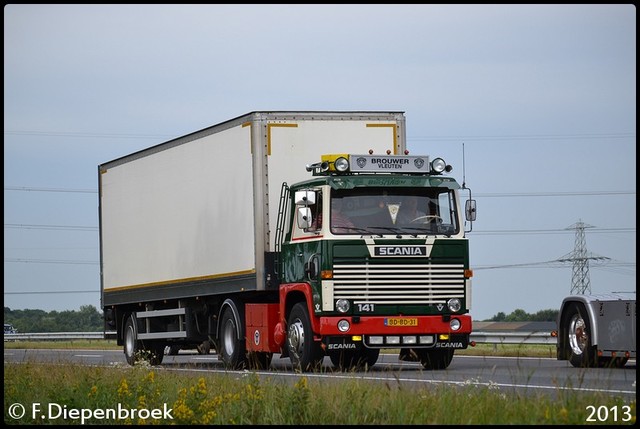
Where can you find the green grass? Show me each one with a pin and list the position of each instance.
(248, 399)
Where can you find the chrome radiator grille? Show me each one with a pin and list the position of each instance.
(398, 284)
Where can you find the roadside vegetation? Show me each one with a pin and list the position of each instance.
(247, 398)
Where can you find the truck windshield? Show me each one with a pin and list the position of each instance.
(382, 210)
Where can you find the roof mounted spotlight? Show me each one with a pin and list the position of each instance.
(438, 165)
(341, 164)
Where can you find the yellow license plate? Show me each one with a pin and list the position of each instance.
(397, 321)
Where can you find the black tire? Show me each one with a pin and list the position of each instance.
(136, 350)
(232, 350)
(132, 346)
(354, 359)
(305, 354)
(155, 353)
(578, 337)
(173, 350)
(437, 359)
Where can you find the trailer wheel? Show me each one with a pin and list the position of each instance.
(232, 350)
(305, 354)
(131, 343)
(578, 331)
(435, 359)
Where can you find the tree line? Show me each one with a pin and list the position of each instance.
(89, 319)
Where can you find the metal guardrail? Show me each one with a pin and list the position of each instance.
(54, 336)
(491, 337)
(480, 337)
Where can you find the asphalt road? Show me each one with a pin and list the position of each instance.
(511, 375)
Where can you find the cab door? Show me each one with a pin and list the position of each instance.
(302, 254)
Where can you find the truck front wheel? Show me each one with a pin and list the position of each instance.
(578, 331)
(305, 354)
(232, 350)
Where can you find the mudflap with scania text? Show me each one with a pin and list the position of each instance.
(408, 354)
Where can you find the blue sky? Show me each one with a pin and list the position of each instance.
(543, 97)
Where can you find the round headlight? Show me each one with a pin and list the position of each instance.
(454, 305)
(342, 305)
(343, 325)
(455, 324)
(438, 165)
(341, 164)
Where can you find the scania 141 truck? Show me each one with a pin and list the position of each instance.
(303, 234)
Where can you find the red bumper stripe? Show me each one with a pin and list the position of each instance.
(381, 325)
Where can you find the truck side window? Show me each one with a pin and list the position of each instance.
(316, 212)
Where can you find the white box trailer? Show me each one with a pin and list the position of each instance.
(196, 215)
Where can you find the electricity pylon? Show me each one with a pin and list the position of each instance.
(579, 257)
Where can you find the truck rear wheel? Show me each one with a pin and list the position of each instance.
(578, 337)
(232, 350)
(305, 354)
(131, 343)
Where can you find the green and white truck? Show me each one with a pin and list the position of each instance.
(231, 235)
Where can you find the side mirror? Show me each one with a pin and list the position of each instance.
(305, 198)
(470, 210)
(304, 217)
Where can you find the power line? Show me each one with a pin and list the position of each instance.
(555, 194)
(486, 195)
(475, 232)
(50, 261)
(87, 135)
(525, 137)
(42, 292)
(549, 231)
(53, 227)
(33, 189)
(575, 136)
